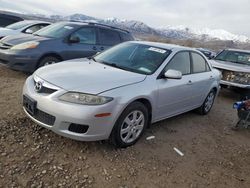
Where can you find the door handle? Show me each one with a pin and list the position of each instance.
(211, 77)
(189, 82)
(102, 48)
(94, 48)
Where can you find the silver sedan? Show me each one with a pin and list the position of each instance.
(118, 93)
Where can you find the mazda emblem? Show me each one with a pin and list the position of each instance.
(38, 86)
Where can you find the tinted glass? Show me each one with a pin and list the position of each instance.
(109, 37)
(35, 28)
(18, 25)
(199, 63)
(57, 30)
(180, 62)
(86, 35)
(134, 57)
(234, 56)
(5, 21)
(126, 37)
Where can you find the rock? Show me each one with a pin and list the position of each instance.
(44, 172)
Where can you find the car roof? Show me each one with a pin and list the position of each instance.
(34, 22)
(82, 23)
(238, 50)
(164, 45)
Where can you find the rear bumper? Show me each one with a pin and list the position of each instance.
(18, 60)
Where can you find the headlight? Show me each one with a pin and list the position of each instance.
(26, 45)
(87, 99)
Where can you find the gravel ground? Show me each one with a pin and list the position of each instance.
(214, 155)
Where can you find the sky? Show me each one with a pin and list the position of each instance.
(230, 15)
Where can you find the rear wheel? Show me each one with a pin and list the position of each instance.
(130, 125)
(48, 60)
(208, 103)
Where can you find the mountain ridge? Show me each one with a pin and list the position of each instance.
(140, 28)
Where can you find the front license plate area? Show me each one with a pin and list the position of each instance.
(29, 104)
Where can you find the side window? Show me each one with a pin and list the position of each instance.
(109, 37)
(86, 35)
(199, 63)
(34, 28)
(180, 62)
(126, 36)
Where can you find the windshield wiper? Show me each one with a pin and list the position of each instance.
(92, 58)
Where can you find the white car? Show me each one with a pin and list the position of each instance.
(117, 93)
(27, 26)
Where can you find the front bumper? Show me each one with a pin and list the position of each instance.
(19, 60)
(99, 128)
(232, 84)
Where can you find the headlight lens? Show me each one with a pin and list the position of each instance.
(26, 45)
(86, 99)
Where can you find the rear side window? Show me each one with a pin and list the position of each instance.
(180, 62)
(87, 35)
(109, 37)
(199, 63)
(35, 28)
(126, 37)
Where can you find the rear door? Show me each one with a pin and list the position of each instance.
(107, 38)
(86, 47)
(202, 78)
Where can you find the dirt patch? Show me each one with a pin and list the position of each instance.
(214, 155)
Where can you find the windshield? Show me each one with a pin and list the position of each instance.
(18, 25)
(234, 56)
(57, 30)
(134, 57)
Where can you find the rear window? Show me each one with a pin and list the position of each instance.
(109, 37)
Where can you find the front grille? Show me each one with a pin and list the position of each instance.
(77, 128)
(5, 46)
(45, 90)
(44, 117)
(235, 77)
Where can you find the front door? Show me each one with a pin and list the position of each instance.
(86, 46)
(175, 95)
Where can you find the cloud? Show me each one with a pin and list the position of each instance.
(223, 14)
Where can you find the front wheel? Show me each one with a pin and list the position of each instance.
(208, 103)
(130, 125)
(48, 60)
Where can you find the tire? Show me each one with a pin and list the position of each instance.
(130, 125)
(208, 103)
(47, 61)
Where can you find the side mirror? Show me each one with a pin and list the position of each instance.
(28, 31)
(74, 39)
(173, 74)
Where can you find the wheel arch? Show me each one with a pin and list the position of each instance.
(53, 54)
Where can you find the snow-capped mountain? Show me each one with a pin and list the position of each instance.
(201, 33)
(176, 32)
(140, 28)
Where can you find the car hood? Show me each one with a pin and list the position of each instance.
(83, 75)
(5, 32)
(230, 66)
(21, 38)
